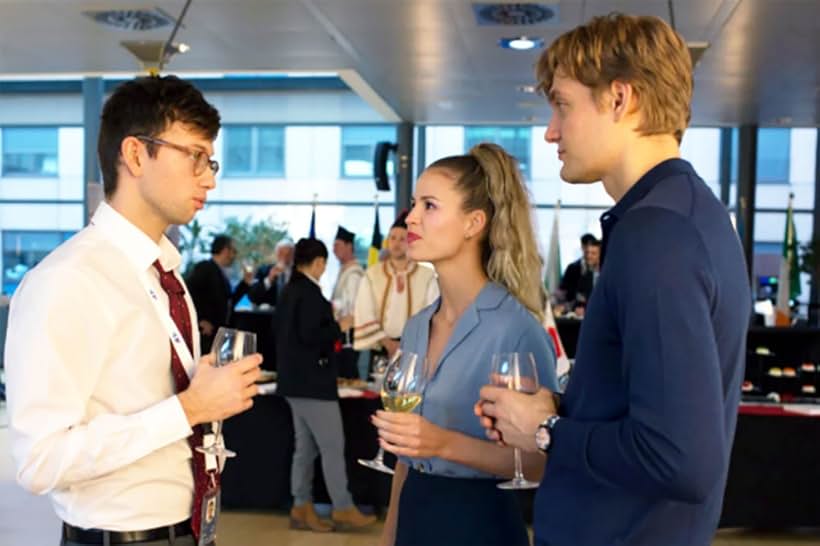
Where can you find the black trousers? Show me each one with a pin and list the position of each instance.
(439, 511)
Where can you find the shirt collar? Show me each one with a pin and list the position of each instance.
(134, 243)
(314, 281)
(636, 193)
(647, 183)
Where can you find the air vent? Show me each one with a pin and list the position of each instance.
(132, 19)
(514, 14)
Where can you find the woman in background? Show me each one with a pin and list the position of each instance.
(306, 342)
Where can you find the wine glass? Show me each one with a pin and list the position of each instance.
(229, 346)
(515, 371)
(343, 308)
(402, 390)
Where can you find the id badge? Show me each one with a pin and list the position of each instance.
(210, 513)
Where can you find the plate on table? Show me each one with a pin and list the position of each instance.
(266, 376)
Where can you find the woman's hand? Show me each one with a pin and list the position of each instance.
(410, 435)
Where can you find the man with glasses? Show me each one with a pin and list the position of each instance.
(107, 393)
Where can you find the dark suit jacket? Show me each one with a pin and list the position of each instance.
(259, 294)
(307, 337)
(211, 291)
(576, 283)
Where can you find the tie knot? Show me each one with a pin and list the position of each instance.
(168, 281)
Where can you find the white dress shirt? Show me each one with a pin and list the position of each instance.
(93, 413)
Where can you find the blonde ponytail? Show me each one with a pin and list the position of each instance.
(490, 180)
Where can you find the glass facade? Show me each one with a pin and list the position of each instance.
(30, 151)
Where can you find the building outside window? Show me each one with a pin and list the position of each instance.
(773, 150)
(22, 250)
(358, 147)
(254, 150)
(30, 151)
(515, 140)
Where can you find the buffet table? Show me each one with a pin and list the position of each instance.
(259, 476)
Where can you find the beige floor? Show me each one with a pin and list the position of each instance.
(27, 520)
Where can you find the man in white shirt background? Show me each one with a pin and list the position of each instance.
(344, 296)
(102, 412)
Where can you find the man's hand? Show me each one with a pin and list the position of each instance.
(206, 327)
(275, 271)
(218, 393)
(510, 417)
(391, 346)
(346, 323)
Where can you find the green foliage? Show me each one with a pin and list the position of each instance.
(810, 258)
(192, 243)
(255, 242)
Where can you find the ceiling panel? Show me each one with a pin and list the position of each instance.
(428, 59)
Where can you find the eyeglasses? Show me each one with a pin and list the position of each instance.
(200, 158)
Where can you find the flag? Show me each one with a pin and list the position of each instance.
(788, 283)
(312, 234)
(561, 359)
(376, 242)
(552, 279)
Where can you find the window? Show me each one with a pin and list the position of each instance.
(254, 151)
(773, 149)
(30, 151)
(516, 140)
(22, 250)
(358, 148)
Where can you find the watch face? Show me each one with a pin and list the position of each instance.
(542, 438)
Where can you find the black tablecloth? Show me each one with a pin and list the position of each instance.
(774, 474)
(259, 477)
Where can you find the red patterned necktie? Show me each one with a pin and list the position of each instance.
(182, 318)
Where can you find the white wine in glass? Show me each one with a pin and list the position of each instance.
(402, 388)
(229, 346)
(515, 371)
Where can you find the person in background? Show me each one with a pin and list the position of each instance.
(390, 293)
(271, 279)
(307, 344)
(471, 219)
(344, 296)
(581, 275)
(210, 286)
(102, 413)
(638, 448)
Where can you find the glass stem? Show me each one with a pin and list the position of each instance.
(217, 431)
(380, 456)
(519, 475)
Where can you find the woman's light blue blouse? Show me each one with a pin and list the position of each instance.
(495, 322)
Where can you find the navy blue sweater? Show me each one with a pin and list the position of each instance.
(641, 454)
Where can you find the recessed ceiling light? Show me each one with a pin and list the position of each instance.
(525, 88)
(521, 43)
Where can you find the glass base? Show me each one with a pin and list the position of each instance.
(217, 451)
(518, 483)
(376, 464)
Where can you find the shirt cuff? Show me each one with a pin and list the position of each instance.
(267, 283)
(166, 422)
(569, 439)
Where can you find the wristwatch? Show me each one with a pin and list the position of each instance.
(543, 434)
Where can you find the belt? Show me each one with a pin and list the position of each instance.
(97, 536)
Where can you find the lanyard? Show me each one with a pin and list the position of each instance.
(178, 342)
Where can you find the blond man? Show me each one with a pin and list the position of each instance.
(638, 449)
